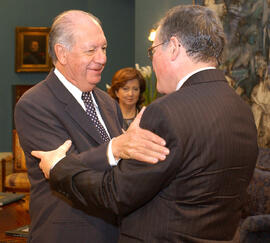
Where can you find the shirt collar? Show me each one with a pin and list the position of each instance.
(183, 80)
(75, 91)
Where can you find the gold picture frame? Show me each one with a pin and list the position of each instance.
(32, 49)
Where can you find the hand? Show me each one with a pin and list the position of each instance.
(49, 159)
(140, 144)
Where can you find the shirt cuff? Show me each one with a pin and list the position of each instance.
(111, 159)
(53, 164)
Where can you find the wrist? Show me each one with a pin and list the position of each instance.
(115, 150)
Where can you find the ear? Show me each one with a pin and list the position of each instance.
(175, 48)
(61, 53)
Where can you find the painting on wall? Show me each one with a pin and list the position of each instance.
(246, 24)
(198, 2)
(32, 49)
(246, 59)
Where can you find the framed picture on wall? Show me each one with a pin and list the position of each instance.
(32, 49)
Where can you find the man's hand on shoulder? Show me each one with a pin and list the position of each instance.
(135, 143)
(140, 144)
(50, 158)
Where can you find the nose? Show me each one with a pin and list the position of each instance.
(130, 92)
(101, 57)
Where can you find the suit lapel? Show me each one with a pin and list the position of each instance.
(72, 107)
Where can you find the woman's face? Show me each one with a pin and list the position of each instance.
(128, 95)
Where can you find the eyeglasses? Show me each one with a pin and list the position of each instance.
(151, 49)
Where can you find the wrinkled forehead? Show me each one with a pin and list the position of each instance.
(90, 31)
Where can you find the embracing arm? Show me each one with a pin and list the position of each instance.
(125, 187)
(135, 143)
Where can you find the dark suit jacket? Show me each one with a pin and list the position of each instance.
(45, 117)
(196, 194)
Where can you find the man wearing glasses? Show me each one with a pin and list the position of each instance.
(196, 194)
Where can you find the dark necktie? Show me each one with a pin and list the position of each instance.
(91, 112)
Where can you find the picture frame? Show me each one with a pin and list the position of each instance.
(32, 49)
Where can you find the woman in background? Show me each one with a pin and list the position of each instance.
(127, 88)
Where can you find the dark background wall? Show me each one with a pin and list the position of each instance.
(117, 17)
(126, 24)
(147, 13)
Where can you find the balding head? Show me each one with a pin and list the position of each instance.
(64, 26)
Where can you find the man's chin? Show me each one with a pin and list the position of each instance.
(94, 79)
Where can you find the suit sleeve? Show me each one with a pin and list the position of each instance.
(127, 186)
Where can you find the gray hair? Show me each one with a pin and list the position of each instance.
(62, 30)
(197, 28)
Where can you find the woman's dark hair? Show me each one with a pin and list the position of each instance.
(121, 77)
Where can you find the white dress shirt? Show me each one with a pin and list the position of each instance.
(77, 93)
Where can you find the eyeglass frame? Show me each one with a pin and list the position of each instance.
(150, 52)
